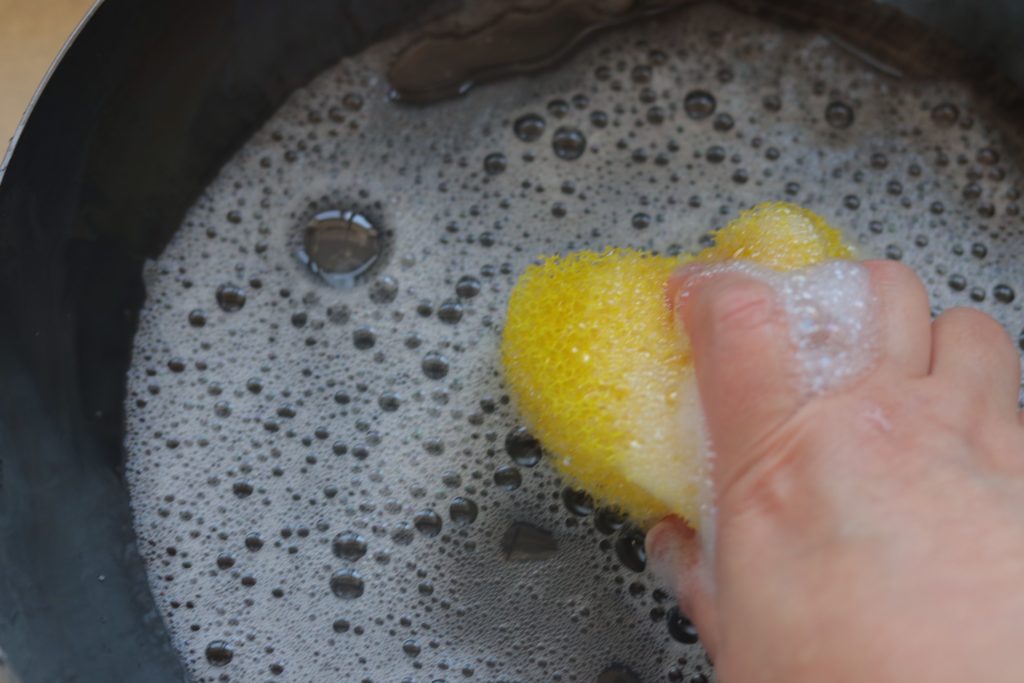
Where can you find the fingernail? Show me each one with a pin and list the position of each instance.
(681, 283)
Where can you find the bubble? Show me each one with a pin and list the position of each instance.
(364, 338)
(495, 163)
(467, 287)
(435, 365)
(529, 127)
(680, 628)
(772, 102)
(1004, 294)
(219, 653)
(608, 521)
(945, 115)
(389, 402)
(641, 220)
(598, 119)
(988, 156)
(641, 73)
(384, 290)
(450, 312)
(568, 143)
(427, 522)
(577, 502)
(699, 104)
(462, 510)
(508, 477)
(839, 115)
(349, 546)
(242, 489)
(957, 283)
(715, 154)
(253, 542)
(522, 447)
(629, 548)
(347, 584)
(197, 318)
(723, 122)
(352, 101)
(558, 108)
(230, 298)
(339, 246)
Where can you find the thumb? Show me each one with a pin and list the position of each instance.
(739, 338)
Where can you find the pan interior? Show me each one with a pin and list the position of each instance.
(328, 480)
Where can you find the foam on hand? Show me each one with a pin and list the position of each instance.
(831, 326)
(601, 376)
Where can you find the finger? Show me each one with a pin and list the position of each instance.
(974, 355)
(675, 557)
(904, 317)
(739, 338)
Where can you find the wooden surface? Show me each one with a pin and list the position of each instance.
(31, 34)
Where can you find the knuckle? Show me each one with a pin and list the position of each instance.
(975, 325)
(771, 484)
(890, 274)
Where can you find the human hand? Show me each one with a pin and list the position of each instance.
(874, 533)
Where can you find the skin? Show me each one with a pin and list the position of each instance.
(872, 534)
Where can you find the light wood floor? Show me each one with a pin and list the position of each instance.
(31, 34)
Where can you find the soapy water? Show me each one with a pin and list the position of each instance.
(328, 480)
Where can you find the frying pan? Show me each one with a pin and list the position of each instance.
(143, 106)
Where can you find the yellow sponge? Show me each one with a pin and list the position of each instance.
(596, 367)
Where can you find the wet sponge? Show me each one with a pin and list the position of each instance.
(598, 370)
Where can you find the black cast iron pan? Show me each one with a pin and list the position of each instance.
(142, 108)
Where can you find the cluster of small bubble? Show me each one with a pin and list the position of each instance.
(327, 477)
